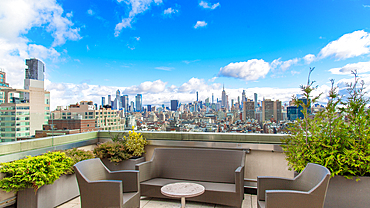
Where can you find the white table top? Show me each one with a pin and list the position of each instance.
(178, 190)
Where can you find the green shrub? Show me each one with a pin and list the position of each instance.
(122, 147)
(34, 172)
(77, 155)
(114, 151)
(337, 137)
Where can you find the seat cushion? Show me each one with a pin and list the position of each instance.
(209, 186)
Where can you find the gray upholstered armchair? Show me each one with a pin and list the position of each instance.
(308, 189)
(100, 187)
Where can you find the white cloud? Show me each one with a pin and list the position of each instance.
(90, 12)
(207, 5)
(195, 84)
(17, 17)
(361, 67)
(200, 24)
(170, 11)
(146, 87)
(309, 58)
(349, 45)
(283, 65)
(137, 38)
(251, 70)
(164, 68)
(137, 7)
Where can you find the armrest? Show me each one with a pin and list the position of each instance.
(103, 193)
(145, 170)
(130, 179)
(271, 183)
(239, 179)
(290, 199)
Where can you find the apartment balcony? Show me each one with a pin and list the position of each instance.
(264, 157)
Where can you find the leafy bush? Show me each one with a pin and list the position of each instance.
(122, 148)
(34, 172)
(337, 137)
(135, 143)
(77, 155)
(115, 151)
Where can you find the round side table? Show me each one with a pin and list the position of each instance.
(182, 190)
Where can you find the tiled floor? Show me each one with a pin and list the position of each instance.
(249, 202)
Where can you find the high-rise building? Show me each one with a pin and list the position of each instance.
(35, 70)
(149, 107)
(3, 85)
(25, 110)
(267, 109)
(117, 101)
(174, 105)
(139, 102)
(223, 98)
(102, 101)
(249, 105)
(125, 102)
(255, 102)
(243, 98)
(109, 100)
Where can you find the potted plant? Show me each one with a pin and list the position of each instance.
(338, 138)
(43, 181)
(123, 152)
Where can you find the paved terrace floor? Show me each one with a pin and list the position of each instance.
(250, 201)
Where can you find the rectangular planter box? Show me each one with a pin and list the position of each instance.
(49, 196)
(123, 165)
(348, 193)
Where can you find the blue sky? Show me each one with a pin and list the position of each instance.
(171, 49)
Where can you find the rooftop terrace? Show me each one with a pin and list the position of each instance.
(264, 156)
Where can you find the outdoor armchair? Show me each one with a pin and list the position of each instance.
(308, 189)
(100, 187)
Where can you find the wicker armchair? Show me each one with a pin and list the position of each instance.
(308, 189)
(100, 187)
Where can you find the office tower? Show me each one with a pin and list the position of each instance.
(244, 113)
(35, 69)
(149, 108)
(132, 106)
(174, 105)
(117, 101)
(212, 99)
(3, 85)
(102, 101)
(125, 102)
(223, 98)
(197, 96)
(243, 98)
(277, 110)
(255, 102)
(27, 109)
(267, 109)
(139, 102)
(249, 109)
(109, 100)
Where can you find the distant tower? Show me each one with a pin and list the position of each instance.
(197, 96)
(139, 102)
(212, 99)
(174, 105)
(109, 100)
(243, 98)
(224, 100)
(102, 101)
(255, 102)
(35, 70)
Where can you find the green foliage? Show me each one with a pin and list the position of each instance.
(122, 148)
(77, 155)
(34, 172)
(337, 137)
(135, 143)
(115, 151)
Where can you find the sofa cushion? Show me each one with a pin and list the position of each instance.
(209, 186)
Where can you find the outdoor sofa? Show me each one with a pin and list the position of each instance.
(100, 187)
(306, 190)
(220, 171)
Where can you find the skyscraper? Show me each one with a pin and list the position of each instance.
(255, 102)
(174, 105)
(35, 70)
(109, 100)
(102, 101)
(125, 102)
(139, 102)
(223, 98)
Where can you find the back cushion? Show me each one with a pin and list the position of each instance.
(211, 165)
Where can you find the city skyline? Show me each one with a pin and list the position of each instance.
(169, 50)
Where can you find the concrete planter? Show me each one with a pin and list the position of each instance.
(123, 165)
(49, 196)
(348, 193)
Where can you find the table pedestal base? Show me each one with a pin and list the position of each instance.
(182, 202)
